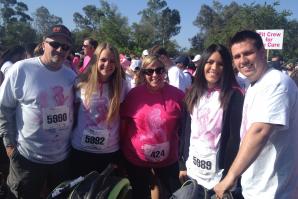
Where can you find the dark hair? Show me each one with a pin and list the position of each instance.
(10, 53)
(226, 82)
(92, 42)
(247, 35)
(29, 47)
(158, 51)
(294, 76)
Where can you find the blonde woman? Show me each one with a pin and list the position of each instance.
(100, 90)
(151, 115)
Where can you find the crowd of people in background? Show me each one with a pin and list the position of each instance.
(225, 118)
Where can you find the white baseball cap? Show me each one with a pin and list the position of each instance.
(145, 52)
(197, 58)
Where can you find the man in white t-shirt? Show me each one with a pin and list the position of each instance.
(267, 158)
(36, 117)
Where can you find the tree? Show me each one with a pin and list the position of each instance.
(15, 25)
(217, 23)
(114, 27)
(104, 24)
(43, 20)
(160, 22)
(18, 33)
(91, 20)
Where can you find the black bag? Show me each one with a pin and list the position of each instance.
(190, 190)
(95, 186)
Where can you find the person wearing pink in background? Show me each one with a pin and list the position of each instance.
(151, 115)
(89, 46)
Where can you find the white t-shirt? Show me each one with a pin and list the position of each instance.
(273, 99)
(92, 133)
(43, 100)
(188, 79)
(206, 123)
(243, 81)
(6, 66)
(177, 78)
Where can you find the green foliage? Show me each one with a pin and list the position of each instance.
(18, 33)
(157, 26)
(43, 20)
(103, 24)
(218, 23)
(15, 25)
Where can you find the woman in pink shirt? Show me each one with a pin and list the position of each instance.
(151, 115)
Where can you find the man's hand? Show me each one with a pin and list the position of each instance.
(226, 184)
(9, 151)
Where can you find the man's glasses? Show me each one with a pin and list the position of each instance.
(150, 71)
(56, 45)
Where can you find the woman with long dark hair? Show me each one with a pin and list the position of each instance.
(214, 109)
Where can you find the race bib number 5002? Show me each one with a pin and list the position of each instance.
(56, 117)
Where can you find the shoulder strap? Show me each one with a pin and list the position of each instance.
(121, 189)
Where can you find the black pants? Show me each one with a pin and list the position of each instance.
(26, 179)
(4, 167)
(143, 179)
(83, 163)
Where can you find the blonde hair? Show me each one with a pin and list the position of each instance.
(90, 80)
(147, 61)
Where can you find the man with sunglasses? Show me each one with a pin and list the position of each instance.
(89, 47)
(36, 117)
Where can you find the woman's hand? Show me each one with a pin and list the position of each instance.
(183, 176)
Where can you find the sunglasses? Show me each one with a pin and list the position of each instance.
(56, 45)
(150, 71)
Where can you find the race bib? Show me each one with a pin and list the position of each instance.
(156, 152)
(95, 138)
(205, 164)
(55, 118)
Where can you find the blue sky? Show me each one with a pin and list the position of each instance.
(188, 9)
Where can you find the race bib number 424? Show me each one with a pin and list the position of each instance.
(56, 117)
(157, 152)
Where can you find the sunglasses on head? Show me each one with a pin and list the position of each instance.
(56, 45)
(150, 71)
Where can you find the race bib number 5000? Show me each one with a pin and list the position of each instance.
(56, 117)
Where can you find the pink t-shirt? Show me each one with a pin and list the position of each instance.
(86, 61)
(151, 126)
